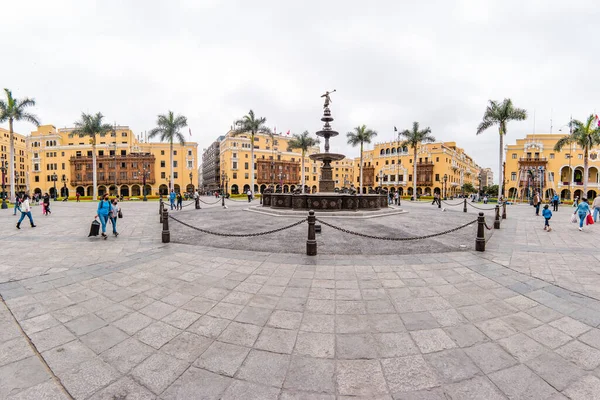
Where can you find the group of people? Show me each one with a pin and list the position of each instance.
(23, 204)
(581, 213)
(176, 199)
(108, 210)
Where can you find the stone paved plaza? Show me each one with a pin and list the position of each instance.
(133, 318)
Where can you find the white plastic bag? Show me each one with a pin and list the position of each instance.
(574, 219)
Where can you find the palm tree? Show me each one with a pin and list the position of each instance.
(584, 134)
(500, 114)
(13, 110)
(252, 125)
(168, 129)
(360, 135)
(302, 142)
(415, 137)
(92, 126)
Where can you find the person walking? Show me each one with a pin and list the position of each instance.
(537, 202)
(77, 196)
(555, 201)
(17, 204)
(596, 207)
(396, 197)
(114, 215)
(249, 194)
(435, 199)
(46, 205)
(582, 210)
(172, 197)
(547, 214)
(103, 212)
(179, 201)
(25, 208)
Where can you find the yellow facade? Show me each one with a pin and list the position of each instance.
(532, 165)
(54, 151)
(282, 167)
(391, 166)
(20, 162)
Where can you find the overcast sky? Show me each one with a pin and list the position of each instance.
(392, 63)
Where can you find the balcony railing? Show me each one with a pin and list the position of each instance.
(425, 164)
(533, 159)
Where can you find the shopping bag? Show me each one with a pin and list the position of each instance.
(95, 228)
(589, 220)
(574, 218)
(120, 214)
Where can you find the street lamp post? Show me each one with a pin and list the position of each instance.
(223, 188)
(3, 168)
(445, 185)
(64, 181)
(192, 180)
(54, 179)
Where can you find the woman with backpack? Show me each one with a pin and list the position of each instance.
(104, 210)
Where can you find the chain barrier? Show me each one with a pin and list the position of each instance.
(189, 204)
(396, 239)
(211, 203)
(241, 200)
(483, 209)
(486, 226)
(238, 234)
(452, 205)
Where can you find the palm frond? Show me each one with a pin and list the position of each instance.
(562, 142)
(484, 125)
(30, 118)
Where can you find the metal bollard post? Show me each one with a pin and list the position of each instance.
(166, 235)
(161, 209)
(311, 242)
(439, 201)
(160, 206)
(465, 205)
(198, 204)
(480, 239)
(504, 210)
(497, 218)
(223, 201)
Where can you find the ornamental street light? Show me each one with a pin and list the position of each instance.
(64, 180)
(223, 188)
(54, 178)
(192, 181)
(3, 168)
(445, 185)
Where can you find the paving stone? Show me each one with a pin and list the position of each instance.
(240, 334)
(68, 313)
(242, 390)
(187, 346)
(113, 313)
(543, 313)
(48, 390)
(310, 374)
(176, 299)
(254, 315)
(209, 326)
(452, 365)
(394, 345)
(222, 358)
(522, 347)
(86, 378)
(521, 321)
(425, 394)
(297, 395)
(549, 336)
(14, 350)
(410, 373)
(285, 319)
(133, 323)
(39, 323)
(519, 382)
(321, 323)
(20, 375)
(385, 323)
(587, 315)
(449, 317)
(591, 338)
(352, 323)
(269, 302)
(586, 388)
(496, 328)
(276, 340)
(157, 310)
(181, 319)
(157, 334)
(356, 346)
(225, 310)
(291, 304)
(521, 302)
(477, 388)
(265, 367)
(197, 383)
(127, 354)
(125, 388)
(490, 357)
(475, 313)
(419, 321)
(103, 338)
(85, 324)
(313, 344)
(581, 354)
(199, 305)
(360, 378)
(432, 340)
(465, 335)
(318, 306)
(67, 356)
(158, 371)
(51, 337)
(555, 370)
(570, 326)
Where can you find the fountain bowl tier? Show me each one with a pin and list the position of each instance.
(325, 201)
(326, 156)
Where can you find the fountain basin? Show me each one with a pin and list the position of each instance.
(325, 201)
(326, 156)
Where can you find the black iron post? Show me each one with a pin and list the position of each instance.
(504, 209)
(497, 218)
(198, 203)
(144, 184)
(465, 205)
(311, 242)
(161, 208)
(439, 201)
(166, 235)
(480, 240)
(54, 179)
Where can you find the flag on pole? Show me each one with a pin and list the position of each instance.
(190, 131)
(597, 120)
(288, 132)
(395, 129)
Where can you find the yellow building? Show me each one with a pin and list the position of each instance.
(20, 161)
(391, 166)
(274, 164)
(61, 163)
(533, 165)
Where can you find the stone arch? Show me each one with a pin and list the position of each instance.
(189, 188)
(400, 191)
(578, 193)
(246, 188)
(163, 190)
(387, 151)
(314, 189)
(255, 188)
(89, 191)
(263, 188)
(512, 192)
(292, 188)
(419, 191)
(565, 194)
(147, 190)
(286, 189)
(135, 190)
(382, 152)
(393, 150)
(593, 175)
(427, 191)
(437, 190)
(112, 190)
(409, 191)
(101, 190)
(80, 190)
(235, 189)
(566, 174)
(37, 191)
(578, 175)
(124, 191)
(177, 188)
(591, 194)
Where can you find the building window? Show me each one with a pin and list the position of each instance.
(437, 177)
(245, 165)
(174, 152)
(162, 175)
(234, 165)
(36, 179)
(552, 156)
(175, 175)
(174, 164)
(162, 152)
(235, 175)
(246, 175)
(190, 164)
(513, 176)
(162, 164)
(410, 178)
(123, 152)
(63, 166)
(567, 155)
(123, 134)
(189, 153)
(437, 159)
(580, 156)
(514, 156)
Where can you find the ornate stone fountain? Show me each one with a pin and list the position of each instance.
(327, 198)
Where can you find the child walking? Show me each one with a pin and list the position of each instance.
(547, 214)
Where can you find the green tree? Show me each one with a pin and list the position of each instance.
(12, 110)
(414, 138)
(250, 124)
(302, 142)
(500, 114)
(468, 188)
(168, 128)
(92, 126)
(586, 135)
(360, 135)
(491, 190)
